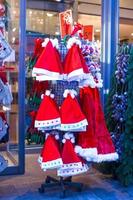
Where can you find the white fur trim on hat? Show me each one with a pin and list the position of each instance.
(47, 123)
(72, 165)
(89, 154)
(46, 40)
(70, 127)
(70, 172)
(42, 74)
(107, 157)
(52, 164)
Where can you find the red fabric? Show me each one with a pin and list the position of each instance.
(105, 144)
(2, 115)
(49, 60)
(68, 154)
(3, 77)
(87, 139)
(47, 110)
(97, 134)
(39, 87)
(50, 149)
(38, 47)
(72, 60)
(70, 111)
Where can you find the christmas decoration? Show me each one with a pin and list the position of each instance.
(119, 113)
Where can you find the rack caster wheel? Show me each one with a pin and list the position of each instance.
(41, 189)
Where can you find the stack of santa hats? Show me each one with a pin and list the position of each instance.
(72, 163)
(48, 65)
(65, 160)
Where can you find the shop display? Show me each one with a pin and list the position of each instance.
(74, 127)
(119, 113)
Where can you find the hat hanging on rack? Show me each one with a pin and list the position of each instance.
(50, 157)
(48, 65)
(48, 116)
(72, 164)
(72, 118)
(74, 63)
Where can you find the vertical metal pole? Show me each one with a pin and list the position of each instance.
(21, 93)
(110, 35)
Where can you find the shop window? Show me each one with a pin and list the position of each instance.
(126, 24)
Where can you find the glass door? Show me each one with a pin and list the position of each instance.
(12, 70)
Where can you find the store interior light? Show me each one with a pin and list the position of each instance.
(57, 33)
(97, 30)
(131, 34)
(50, 14)
(14, 29)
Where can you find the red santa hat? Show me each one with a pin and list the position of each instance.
(72, 117)
(50, 157)
(72, 164)
(48, 113)
(48, 65)
(74, 64)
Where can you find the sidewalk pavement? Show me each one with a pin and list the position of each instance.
(96, 186)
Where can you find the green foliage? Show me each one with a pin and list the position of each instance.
(125, 169)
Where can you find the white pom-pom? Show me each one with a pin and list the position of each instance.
(73, 41)
(46, 136)
(52, 96)
(73, 93)
(47, 93)
(63, 141)
(66, 92)
(57, 137)
(42, 95)
(73, 140)
(71, 135)
(55, 43)
(46, 40)
(66, 136)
